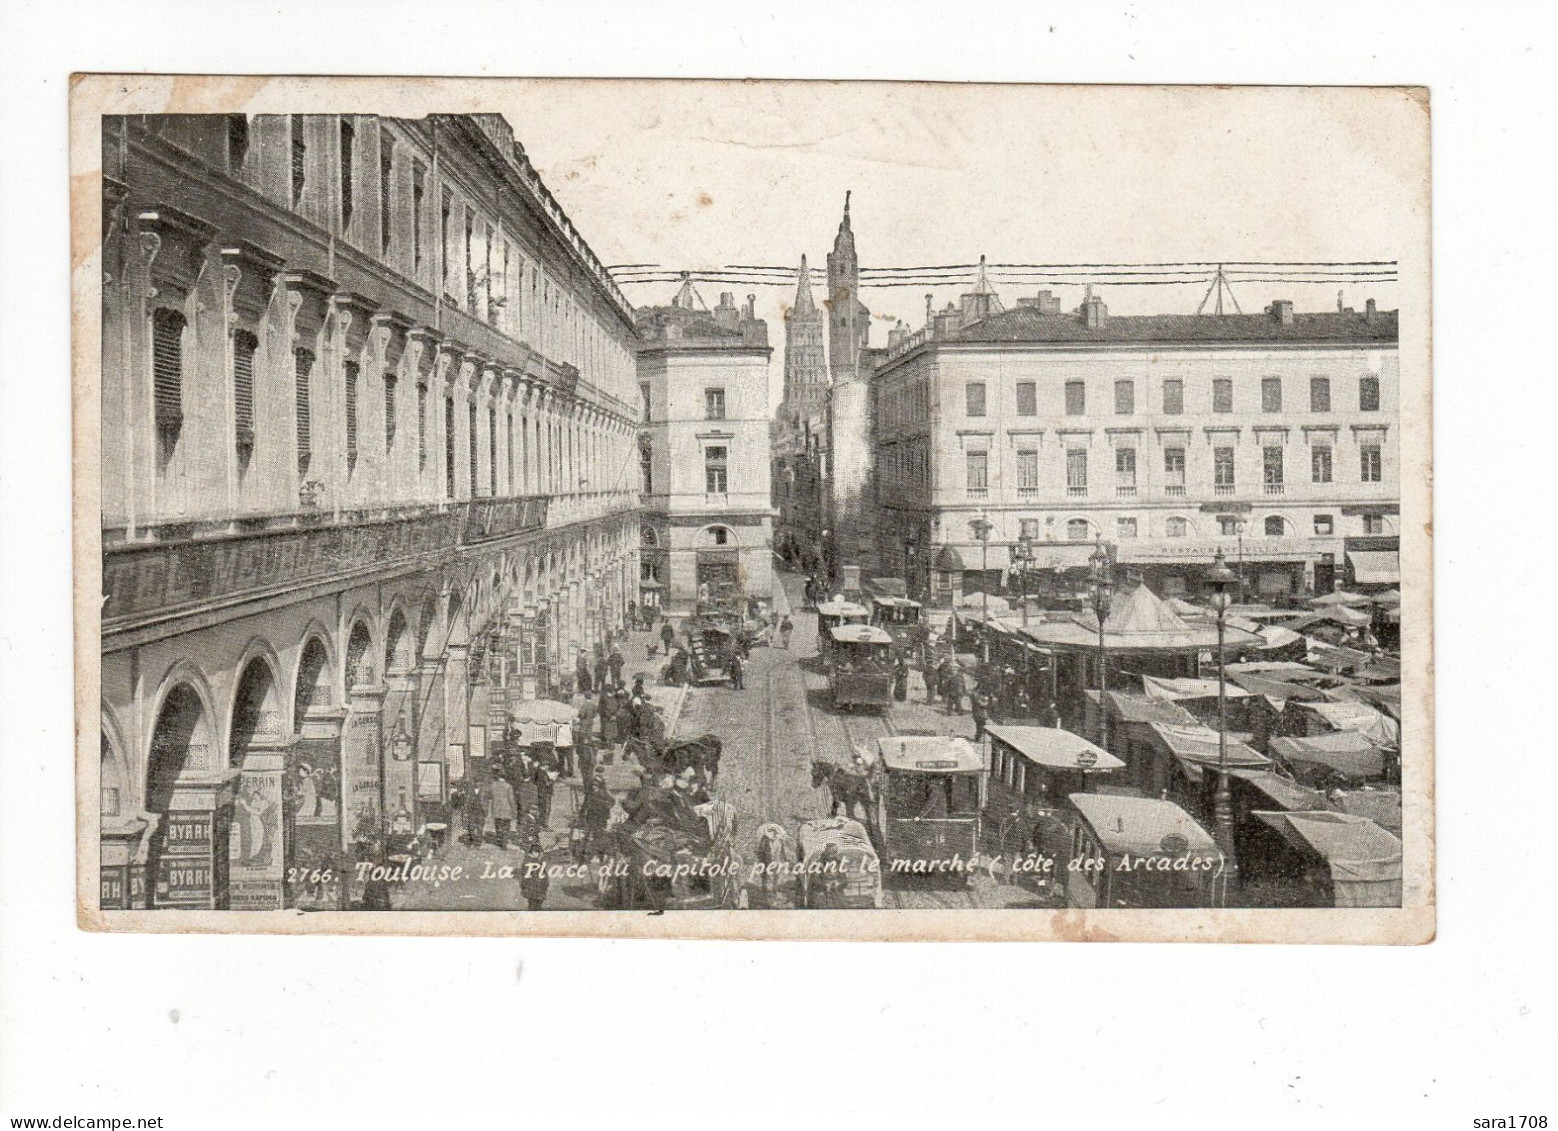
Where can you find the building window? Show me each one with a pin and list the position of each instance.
(167, 353)
(1324, 524)
(386, 182)
(237, 141)
(471, 448)
(1373, 524)
(1076, 398)
(299, 158)
(1076, 530)
(646, 469)
(1271, 394)
(1222, 470)
(302, 371)
(492, 452)
(1271, 469)
(1124, 397)
(974, 397)
(470, 263)
(448, 447)
(1320, 464)
(445, 215)
(1125, 527)
(978, 472)
(1368, 394)
(1222, 394)
(1076, 472)
(720, 535)
(1370, 464)
(1174, 471)
(1028, 469)
(351, 414)
(1273, 526)
(1029, 528)
(1027, 399)
(1173, 396)
(643, 396)
(421, 426)
(716, 470)
(348, 145)
(1125, 470)
(390, 381)
(244, 346)
(1227, 525)
(418, 198)
(714, 404)
(1176, 528)
(508, 427)
(1319, 394)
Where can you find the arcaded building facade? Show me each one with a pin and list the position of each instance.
(368, 418)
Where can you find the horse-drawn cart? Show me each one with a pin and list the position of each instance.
(676, 857)
(838, 865)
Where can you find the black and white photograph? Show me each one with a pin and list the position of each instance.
(500, 518)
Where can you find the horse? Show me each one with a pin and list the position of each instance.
(701, 753)
(844, 788)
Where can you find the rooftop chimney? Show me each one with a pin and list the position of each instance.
(1094, 312)
(1045, 302)
(1369, 310)
(929, 316)
(1282, 311)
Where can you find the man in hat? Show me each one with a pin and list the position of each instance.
(737, 670)
(667, 636)
(595, 811)
(474, 811)
(533, 880)
(502, 809)
(979, 705)
(614, 663)
(581, 676)
(786, 627)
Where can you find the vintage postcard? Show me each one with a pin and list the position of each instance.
(753, 510)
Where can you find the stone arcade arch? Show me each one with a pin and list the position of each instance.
(256, 745)
(184, 798)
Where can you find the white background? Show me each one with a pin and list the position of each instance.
(430, 1029)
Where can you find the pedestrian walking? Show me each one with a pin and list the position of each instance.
(601, 671)
(503, 812)
(786, 627)
(1051, 716)
(585, 748)
(979, 706)
(564, 743)
(533, 880)
(545, 780)
(614, 662)
(737, 671)
(581, 675)
(474, 812)
(608, 727)
(595, 813)
(588, 713)
(667, 636)
(901, 680)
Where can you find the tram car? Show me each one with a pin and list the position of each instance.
(833, 614)
(895, 613)
(931, 793)
(860, 667)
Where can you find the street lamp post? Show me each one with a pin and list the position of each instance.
(1238, 529)
(1103, 587)
(1222, 582)
(1022, 553)
(982, 527)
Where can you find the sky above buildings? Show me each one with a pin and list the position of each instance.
(693, 175)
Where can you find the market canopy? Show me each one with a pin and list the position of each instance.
(860, 634)
(1375, 567)
(1139, 622)
(1140, 709)
(1346, 752)
(1056, 749)
(1364, 859)
(1157, 687)
(1286, 794)
(1340, 597)
(1350, 715)
(1197, 747)
(1386, 597)
(982, 601)
(1275, 688)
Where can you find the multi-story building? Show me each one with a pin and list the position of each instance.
(1272, 436)
(707, 530)
(849, 538)
(799, 430)
(368, 472)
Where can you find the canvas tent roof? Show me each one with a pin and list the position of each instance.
(1056, 749)
(1364, 859)
(1347, 752)
(1140, 621)
(1376, 727)
(1339, 597)
(1158, 687)
(1287, 794)
(1140, 709)
(1196, 746)
(1375, 567)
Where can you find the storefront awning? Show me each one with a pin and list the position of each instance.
(1375, 567)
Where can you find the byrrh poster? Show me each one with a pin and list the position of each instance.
(1003, 514)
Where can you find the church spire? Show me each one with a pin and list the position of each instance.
(803, 299)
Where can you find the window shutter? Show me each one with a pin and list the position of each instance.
(299, 159)
(470, 449)
(351, 413)
(302, 367)
(348, 194)
(167, 359)
(421, 425)
(244, 346)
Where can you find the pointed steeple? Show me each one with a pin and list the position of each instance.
(982, 281)
(688, 298)
(844, 242)
(803, 299)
